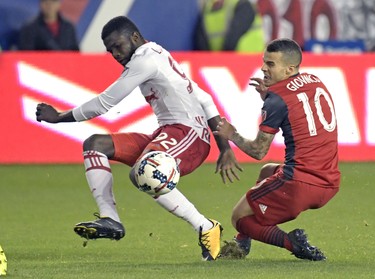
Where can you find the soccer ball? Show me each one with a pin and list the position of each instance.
(157, 173)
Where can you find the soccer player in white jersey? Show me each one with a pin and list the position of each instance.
(184, 113)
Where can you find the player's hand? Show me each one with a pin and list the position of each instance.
(224, 129)
(45, 112)
(258, 83)
(227, 165)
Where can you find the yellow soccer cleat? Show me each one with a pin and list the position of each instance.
(3, 262)
(209, 241)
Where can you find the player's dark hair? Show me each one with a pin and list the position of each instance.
(291, 50)
(120, 24)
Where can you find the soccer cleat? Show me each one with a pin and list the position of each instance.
(3, 262)
(301, 247)
(103, 227)
(236, 249)
(244, 244)
(209, 241)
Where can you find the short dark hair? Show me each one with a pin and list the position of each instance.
(120, 24)
(291, 50)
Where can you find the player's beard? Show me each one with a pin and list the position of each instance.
(133, 48)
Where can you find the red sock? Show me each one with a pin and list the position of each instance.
(267, 234)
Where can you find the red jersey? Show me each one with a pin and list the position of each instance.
(302, 108)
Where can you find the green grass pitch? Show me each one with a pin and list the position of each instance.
(40, 204)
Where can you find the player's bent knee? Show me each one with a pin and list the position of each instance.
(91, 142)
(241, 209)
(234, 220)
(267, 170)
(100, 143)
(236, 215)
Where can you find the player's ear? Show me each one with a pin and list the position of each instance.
(135, 37)
(290, 70)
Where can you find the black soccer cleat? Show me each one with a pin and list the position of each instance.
(244, 244)
(103, 227)
(301, 247)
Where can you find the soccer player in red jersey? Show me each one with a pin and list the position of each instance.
(301, 106)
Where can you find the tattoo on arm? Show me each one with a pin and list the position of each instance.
(257, 148)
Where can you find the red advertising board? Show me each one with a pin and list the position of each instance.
(65, 80)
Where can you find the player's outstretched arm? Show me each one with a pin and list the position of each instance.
(48, 113)
(256, 149)
(227, 163)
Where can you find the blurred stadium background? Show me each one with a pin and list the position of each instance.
(337, 24)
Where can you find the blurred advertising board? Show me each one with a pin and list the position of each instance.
(66, 80)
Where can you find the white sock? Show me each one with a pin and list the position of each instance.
(177, 204)
(100, 180)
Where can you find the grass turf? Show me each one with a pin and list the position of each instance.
(41, 203)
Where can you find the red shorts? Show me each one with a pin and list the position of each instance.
(182, 142)
(276, 200)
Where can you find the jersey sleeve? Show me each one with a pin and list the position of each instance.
(137, 71)
(207, 103)
(274, 111)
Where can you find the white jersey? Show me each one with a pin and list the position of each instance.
(174, 98)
